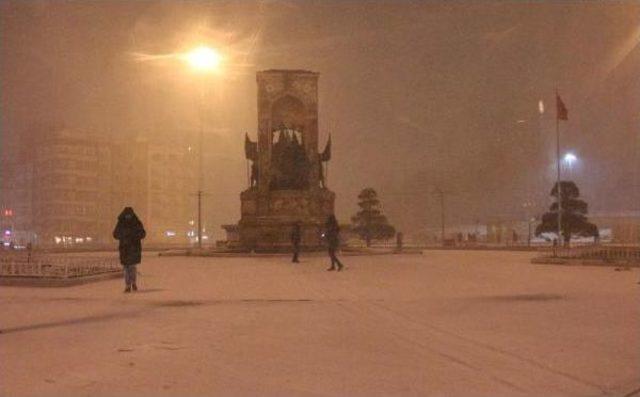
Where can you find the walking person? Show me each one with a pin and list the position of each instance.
(129, 231)
(296, 237)
(332, 234)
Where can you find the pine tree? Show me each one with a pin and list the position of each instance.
(574, 211)
(369, 222)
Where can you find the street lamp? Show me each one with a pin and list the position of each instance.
(569, 160)
(202, 59)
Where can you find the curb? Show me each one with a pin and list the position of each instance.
(283, 254)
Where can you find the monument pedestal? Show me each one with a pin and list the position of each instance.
(267, 220)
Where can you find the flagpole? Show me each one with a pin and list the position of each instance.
(559, 189)
(326, 174)
(248, 172)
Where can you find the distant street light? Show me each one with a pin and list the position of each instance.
(202, 59)
(569, 160)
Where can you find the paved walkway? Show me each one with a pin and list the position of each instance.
(446, 323)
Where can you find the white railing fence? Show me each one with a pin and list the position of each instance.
(606, 253)
(56, 266)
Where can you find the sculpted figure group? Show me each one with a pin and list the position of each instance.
(290, 166)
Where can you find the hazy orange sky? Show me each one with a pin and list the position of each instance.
(414, 94)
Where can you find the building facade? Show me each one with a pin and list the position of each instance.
(69, 187)
(171, 192)
(620, 227)
(15, 204)
(69, 169)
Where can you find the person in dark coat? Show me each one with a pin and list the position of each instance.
(332, 234)
(296, 237)
(129, 231)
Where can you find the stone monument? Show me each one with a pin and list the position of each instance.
(287, 183)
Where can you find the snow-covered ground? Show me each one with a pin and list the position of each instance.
(447, 323)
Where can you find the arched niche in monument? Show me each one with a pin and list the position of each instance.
(288, 111)
(290, 165)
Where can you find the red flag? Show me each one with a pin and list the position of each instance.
(562, 112)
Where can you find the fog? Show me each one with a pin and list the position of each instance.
(416, 95)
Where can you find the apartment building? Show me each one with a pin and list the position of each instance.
(71, 185)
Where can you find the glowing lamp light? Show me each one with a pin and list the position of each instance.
(570, 158)
(203, 58)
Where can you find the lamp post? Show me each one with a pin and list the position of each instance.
(527, 206)
(437, 191)
(531, 221)
(203, 60)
